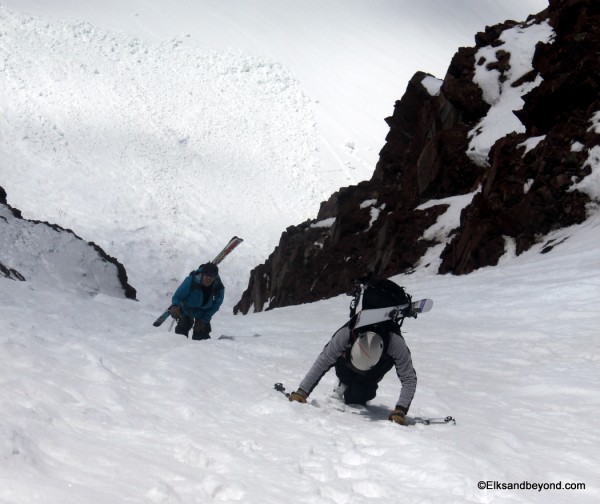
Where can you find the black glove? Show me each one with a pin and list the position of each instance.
(398, 416)
(175, 312)
(298, 396)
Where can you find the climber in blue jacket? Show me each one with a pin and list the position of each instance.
(196, 300)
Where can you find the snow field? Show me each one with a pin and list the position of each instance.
(125, 141)
(99, 405)
(99, 131)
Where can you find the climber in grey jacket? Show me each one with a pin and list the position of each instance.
(363, 356)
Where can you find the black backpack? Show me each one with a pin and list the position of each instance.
(383, 294)
(379, 294)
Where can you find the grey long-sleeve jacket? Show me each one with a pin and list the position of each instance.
(342, 340)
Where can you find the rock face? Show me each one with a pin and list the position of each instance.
(559, 110)
(48, 253)
(522, 190)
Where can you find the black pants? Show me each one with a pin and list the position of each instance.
(201, 331)
(360, 388)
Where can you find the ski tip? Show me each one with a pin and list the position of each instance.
(424, 305)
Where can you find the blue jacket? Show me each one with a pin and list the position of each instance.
(189, 296)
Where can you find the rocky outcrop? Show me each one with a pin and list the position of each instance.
(45, 250)
(372, 226)
(525, 184)
(527, 195)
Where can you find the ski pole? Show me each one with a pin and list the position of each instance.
(428, 421)
(280, 388)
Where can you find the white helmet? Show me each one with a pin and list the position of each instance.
(366, 350)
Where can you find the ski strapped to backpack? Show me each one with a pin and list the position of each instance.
(233, 243)
(396, 313)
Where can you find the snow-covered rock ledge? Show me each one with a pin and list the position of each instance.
(50, 255)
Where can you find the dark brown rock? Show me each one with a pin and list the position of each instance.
(523, 196)
(423, 158)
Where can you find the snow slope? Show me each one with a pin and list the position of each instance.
(191, 109)
(158, 152)
(353, 58)
(98, 406)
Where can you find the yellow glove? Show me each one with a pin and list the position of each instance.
(398, 416)
(298, 396)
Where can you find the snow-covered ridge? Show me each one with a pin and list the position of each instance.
(52, 257)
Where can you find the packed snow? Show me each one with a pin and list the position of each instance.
(51, 256)
(98, 406)
(441, 231)
(504, 95)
